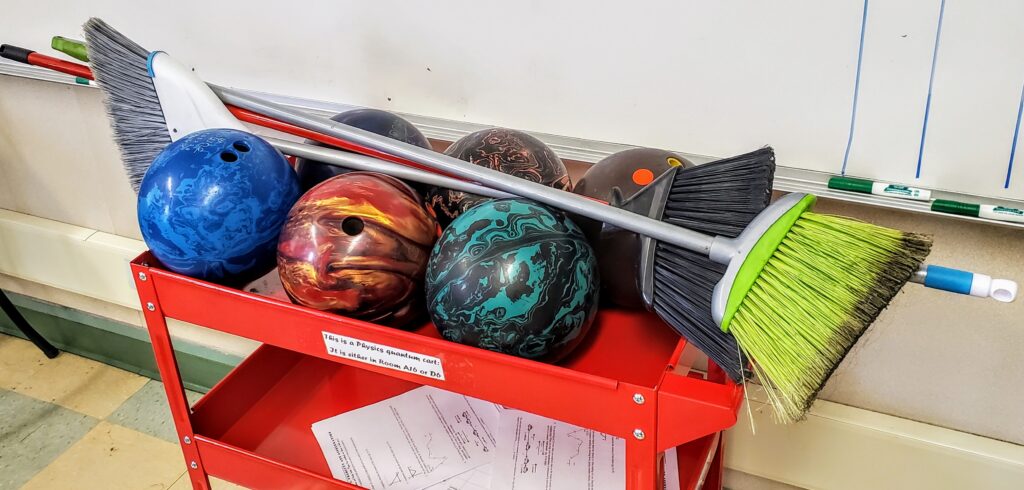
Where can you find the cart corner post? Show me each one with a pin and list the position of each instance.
(643, 460)
(163, 352)
(689, 408)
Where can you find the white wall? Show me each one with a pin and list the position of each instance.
(58, 158)
(707, 77)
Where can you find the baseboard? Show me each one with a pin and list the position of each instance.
(846, 448)
(69, 257)
(121, 345)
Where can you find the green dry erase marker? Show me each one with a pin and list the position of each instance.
(989, 211)
(865, 186)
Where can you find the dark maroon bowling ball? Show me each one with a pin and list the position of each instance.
(507, 151)
(312, 172)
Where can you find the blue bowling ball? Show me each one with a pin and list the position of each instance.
(212, 204)
(515, 277)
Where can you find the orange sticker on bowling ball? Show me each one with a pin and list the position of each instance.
(642, 176)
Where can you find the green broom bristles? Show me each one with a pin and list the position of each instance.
(827, 281)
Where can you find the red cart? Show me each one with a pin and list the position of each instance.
(627, 379)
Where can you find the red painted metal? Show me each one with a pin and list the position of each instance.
(163, 351)
(254, 426)
(56, 64)
(254, 471)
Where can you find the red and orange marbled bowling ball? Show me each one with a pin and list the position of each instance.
(357, 245)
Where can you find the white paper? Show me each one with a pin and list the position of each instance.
(538, 453)
(478, 478)
(670, 478)
(535, 452)
(409, 442)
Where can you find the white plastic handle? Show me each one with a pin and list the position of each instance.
(187, 103)
(1003, 290)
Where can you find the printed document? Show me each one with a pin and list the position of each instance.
(411, 441)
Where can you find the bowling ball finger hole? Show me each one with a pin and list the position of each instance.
(228, 156)
(241, 146)
(352, 226)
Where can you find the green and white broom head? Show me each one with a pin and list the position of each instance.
(802, 287)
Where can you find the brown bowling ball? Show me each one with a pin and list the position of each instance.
(357, 244)
(620, 176)
(629, 170)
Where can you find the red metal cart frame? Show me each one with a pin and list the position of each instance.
(253, 427)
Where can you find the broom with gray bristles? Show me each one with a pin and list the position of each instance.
(798, 290)
(718, 197)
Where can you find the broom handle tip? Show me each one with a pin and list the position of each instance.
(965, 282)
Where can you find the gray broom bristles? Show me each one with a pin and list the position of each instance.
(719, 198)
(120, 68)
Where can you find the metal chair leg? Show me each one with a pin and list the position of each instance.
(23, 325)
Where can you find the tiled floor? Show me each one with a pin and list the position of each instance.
(73, 423)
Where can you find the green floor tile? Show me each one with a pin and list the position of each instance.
(33, 434)
(147, 411)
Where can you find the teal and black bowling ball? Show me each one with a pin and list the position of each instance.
(515, 277)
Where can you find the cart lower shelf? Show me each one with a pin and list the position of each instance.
(261, 413)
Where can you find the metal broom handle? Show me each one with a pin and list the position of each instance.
(563, 200)
(354, 161)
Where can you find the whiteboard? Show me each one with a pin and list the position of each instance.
(926, 93)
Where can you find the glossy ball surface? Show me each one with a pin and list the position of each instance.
(312, 172)
(357, 245)
(507, 151)
(628, 171)
(212, 203)
(515, 277)
(620, 176)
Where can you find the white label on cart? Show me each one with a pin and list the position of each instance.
(383, 356)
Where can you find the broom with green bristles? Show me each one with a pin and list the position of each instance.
(798, 289)
(804, 292)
